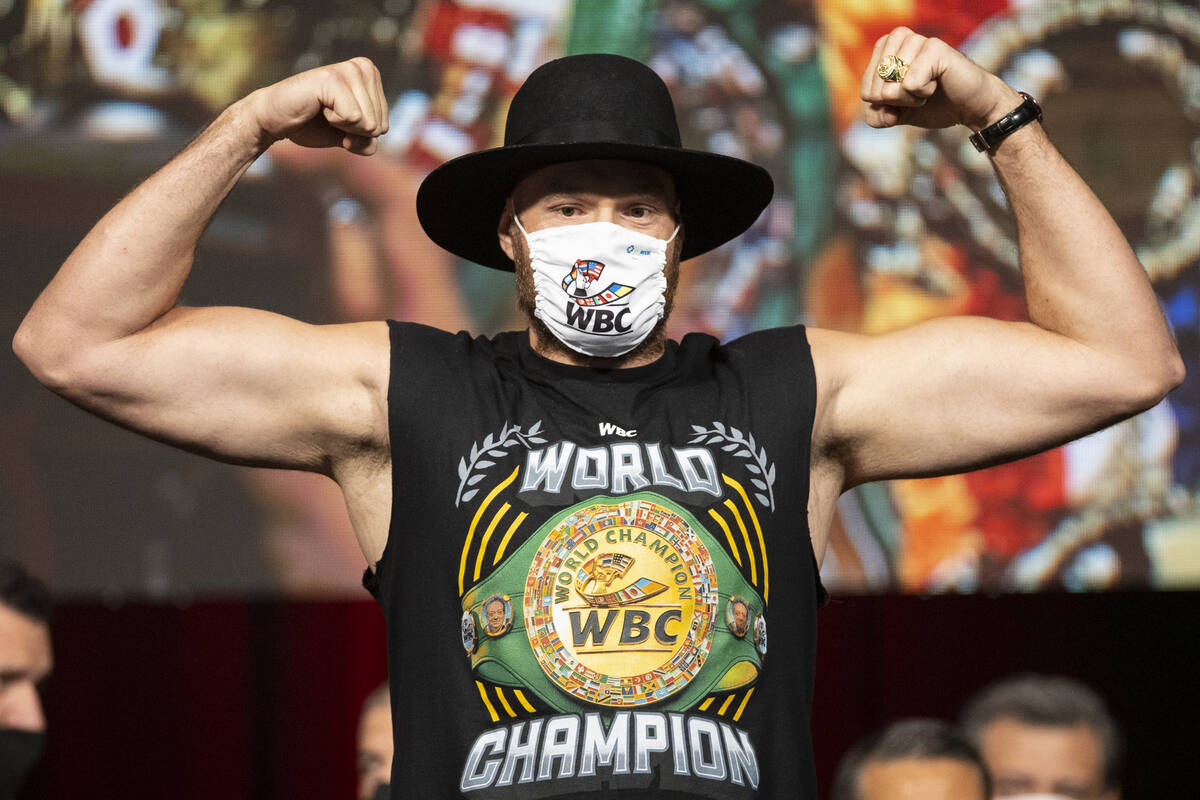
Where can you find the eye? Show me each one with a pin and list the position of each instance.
(640, 212)
(568, 211)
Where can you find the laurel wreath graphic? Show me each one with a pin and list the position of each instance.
(494, 446)
(742, 446)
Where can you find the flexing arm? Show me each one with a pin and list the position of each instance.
(237, 384)
(960, 393)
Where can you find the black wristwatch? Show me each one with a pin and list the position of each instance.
(987, 139)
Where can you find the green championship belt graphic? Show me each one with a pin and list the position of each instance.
(617, 603)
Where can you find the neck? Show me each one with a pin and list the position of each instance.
(649, 351)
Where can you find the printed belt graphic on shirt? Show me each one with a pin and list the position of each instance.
(617, 603)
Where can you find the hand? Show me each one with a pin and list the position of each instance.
(942, 87)
(340, 105)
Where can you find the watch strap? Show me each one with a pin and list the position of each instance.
(987, 139)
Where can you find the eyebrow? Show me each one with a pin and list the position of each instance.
(647, 188)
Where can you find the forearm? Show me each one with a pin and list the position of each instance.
(129, 270)
(1082, 279)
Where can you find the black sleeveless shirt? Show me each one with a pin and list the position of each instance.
(600, 583)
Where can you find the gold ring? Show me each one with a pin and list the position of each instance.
(892, 69)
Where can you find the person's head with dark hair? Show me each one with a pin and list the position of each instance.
(1046, 735)
(909, 759)
(23, 593)
(25, 661)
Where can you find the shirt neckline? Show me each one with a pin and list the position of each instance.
(661, 367)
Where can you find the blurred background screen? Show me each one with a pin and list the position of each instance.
(869, 231)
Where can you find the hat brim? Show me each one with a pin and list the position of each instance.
(459, 203)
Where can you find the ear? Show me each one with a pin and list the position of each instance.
(504, 230)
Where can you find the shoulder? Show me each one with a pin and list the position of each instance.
(414, 341)
(779, 346)
(792, 336)
(429, 366)
(344, 353)
(779, 355)
(832, 355)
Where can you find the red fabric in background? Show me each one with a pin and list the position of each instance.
(241, 700)
(225, 700)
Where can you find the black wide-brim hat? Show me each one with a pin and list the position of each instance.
(587, 107)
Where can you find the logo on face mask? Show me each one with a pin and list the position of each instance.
(584, 277)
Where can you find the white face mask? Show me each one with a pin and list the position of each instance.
(600, 287)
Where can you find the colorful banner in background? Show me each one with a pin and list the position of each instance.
(869, 231)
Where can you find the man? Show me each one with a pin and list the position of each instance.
(496, 616)
(913, 759)
(375, 745)
(474, 467)
(25, 661)
(1046, 736)
(740, 616)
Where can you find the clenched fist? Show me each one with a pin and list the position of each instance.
(339, 105)
(940, 88)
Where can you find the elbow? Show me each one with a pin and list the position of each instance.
(47, 363)
(1154, 380)
(1172, 372)
(1177, 371)
(25, 347)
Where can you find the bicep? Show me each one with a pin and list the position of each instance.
(243, 385)
(959, 393)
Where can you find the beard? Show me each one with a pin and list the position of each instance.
(653, 344)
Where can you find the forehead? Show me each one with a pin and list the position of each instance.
(920, 779)
(1045, 751)
(375, 729)
(603, 177)
(24, 645)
